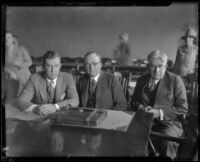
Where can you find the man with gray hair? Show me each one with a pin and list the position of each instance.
(162, 93)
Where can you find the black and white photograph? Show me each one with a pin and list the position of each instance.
(100, 81)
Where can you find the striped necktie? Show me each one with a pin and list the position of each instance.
(152, 85)
(92, 85)
(50, 90)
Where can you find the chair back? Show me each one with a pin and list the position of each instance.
(124, 79)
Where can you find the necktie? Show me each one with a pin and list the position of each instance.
(152, 86)
(92, 85)
(91, 96)
(50, 90)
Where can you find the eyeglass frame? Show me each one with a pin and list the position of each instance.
(94, 64)
(161, 66)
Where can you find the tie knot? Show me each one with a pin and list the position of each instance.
(92, 80)
(153, 82)
(51, 83)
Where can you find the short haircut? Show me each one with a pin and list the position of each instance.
(157, 54)
(49, 55)
(92, 52)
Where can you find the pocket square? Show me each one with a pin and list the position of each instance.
(62, 96)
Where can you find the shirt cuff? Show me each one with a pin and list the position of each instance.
(57, 107)
(161, 114)
(31, 108)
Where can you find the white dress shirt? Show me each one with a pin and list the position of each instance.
(96, 77)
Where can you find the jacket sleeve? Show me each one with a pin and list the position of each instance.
(120, 102)
(24, 100)
(71, 98)
(179, 105)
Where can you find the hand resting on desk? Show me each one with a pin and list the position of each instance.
(150, 109)
(45, 109)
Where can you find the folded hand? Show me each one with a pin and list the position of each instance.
(47, 109)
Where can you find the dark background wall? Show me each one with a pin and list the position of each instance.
(73, 31)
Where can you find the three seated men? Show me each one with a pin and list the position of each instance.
(159, 92)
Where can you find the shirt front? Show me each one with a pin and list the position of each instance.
(156, 82)
(96, 77)
(54, 82)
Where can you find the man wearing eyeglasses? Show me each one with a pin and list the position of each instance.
(162, 93)
(98, 89)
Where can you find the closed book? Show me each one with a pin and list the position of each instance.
(80, 117)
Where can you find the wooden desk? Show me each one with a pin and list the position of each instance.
(29, 138)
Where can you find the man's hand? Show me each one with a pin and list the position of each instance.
(37, 111)
(144, 108)
(47, 109)
(156, 112)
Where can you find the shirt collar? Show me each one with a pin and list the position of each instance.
(151, 80)
(96, 77)
(54, 81)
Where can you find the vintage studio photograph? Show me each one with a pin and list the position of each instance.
(100, 81)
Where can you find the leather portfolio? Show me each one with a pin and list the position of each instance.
(80, 117)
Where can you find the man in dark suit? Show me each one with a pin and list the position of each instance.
(50, 90)
(98, 89)
(163, 94)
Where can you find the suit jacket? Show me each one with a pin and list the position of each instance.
(170, 97)
(109, 93)
(35, 91)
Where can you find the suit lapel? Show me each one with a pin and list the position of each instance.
(100, 87)
(84, 95)
(161, 91)
(43, 88)
(145, 85)
(58, 88)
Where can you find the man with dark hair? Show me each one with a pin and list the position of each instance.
(98, 89)
(162, 93)
(50, 90)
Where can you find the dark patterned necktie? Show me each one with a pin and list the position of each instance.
(92, 85)
(91, 96)
(152, 86)
(50, 90)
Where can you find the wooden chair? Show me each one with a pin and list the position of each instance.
(124, 79)
(188, 142)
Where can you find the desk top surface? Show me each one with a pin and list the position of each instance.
(42, 138)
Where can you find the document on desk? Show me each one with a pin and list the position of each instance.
(117, 120)
(14, 113)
